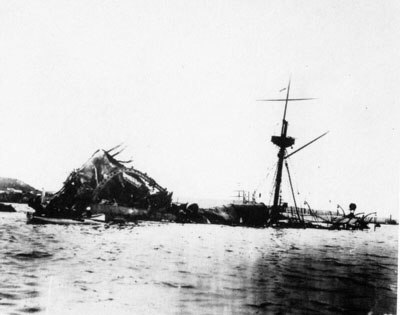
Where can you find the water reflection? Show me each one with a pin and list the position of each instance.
(327, 278)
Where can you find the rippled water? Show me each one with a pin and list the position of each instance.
(194, 269)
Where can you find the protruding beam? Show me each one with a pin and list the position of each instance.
(116, 147)
(287, 99)
(284, 99)
(305, 145)
(125, 162)
(120, 151)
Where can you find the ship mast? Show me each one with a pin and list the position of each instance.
(283, 142)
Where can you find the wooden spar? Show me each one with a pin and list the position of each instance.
(284, 99)
(306, 145)
(282, 142)
(286, 102)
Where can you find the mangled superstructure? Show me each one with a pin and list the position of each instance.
(104, 180)
(105, 185)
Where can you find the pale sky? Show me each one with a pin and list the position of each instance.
(178, 83)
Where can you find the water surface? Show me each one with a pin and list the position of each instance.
(160, 268)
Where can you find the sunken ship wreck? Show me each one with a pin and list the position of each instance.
(107, 186)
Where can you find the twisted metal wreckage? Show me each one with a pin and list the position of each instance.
(105, 185)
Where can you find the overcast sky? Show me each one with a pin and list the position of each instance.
(178, 83)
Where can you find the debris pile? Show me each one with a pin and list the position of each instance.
(105, 185)
(104, 180)
(256, 215)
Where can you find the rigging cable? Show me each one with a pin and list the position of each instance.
(294, 197)
(273, 183)
(264, 179)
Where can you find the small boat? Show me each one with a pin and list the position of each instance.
(34, 219)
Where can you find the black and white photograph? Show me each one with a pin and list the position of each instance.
(199, 157)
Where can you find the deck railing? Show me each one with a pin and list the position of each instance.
(326, 214)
